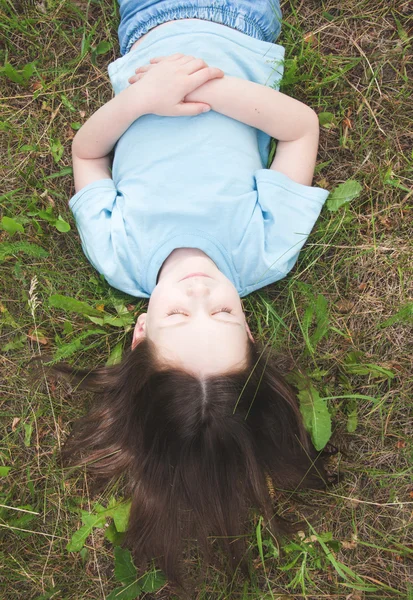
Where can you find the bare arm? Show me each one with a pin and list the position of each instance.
(161, 92)
(94, 141)
(292, 123)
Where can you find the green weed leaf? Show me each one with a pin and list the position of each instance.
(349, 576)
(121, 516)
(120, 321)
(404, 36)
(115, 321)
(16, 76)
(317, 309)
(321, 312)
(352, 421)
(290, 71)
(4, 471)
(17, 343)
(10, 72)
(46, 215)
(79, 537)
(76, 344)
(116, 355)
(125, 572)
(342, 194)
(21, 520)
(28, 429)
(67, 327)
(10, 249)
(11, 226)
(62, 173)
(404, 315)
(96, 320)
(28, 70)
(120, 513)
(113, 535)
(67, 103)
(317, 419)
(72, 305)
(352, 418)
(29, 148)
(56, 148)
(326, 119)
(103, 47)
(321, 166)
(259, 540)
(153, 581)
(61, 225)
(97, 518)
(375, 371)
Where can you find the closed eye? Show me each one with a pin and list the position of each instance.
(226, 310)
(176, 311)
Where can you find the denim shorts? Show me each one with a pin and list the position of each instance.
(260, 19)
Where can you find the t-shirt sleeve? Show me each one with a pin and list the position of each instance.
(289, 210)
(92, 209)
(98, 209)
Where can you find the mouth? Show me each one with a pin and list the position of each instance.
(196, 275)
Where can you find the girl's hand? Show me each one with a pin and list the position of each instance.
(163, 84)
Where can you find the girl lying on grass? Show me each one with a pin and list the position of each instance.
(196, 416)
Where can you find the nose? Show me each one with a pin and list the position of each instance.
(197, 288)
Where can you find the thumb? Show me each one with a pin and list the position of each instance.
(192, 108)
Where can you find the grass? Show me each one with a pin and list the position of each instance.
(351, 59)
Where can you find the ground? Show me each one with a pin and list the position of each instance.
(341, 321)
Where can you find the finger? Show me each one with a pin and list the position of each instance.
(195, 65)
(157, 59)
(186, 58)
(188, 109)
(204, 75)
(135, 78)
(143, 68)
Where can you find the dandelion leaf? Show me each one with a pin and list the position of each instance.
(317, 419)
(342, 194)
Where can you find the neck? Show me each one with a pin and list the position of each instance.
(179, 255)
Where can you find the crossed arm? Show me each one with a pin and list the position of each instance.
(292, 123)
(289, 121)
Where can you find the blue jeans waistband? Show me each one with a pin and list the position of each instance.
(260, 19)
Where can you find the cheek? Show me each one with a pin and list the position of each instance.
(236, 299)
(154, 308)
(156, 296)
(158, 302)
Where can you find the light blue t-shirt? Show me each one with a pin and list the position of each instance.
(196, 182)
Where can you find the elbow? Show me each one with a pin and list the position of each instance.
(79, 148)
(75, 144)
(313, 122)
(312, 129)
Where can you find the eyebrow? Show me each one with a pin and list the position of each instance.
(186, 323)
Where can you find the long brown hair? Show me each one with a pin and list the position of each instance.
(196, 454)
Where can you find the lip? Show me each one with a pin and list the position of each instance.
(195, 275)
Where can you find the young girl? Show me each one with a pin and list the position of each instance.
(196, 416)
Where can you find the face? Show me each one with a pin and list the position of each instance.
(195, 319)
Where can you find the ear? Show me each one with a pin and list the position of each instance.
(139, 333)
(249, 333)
